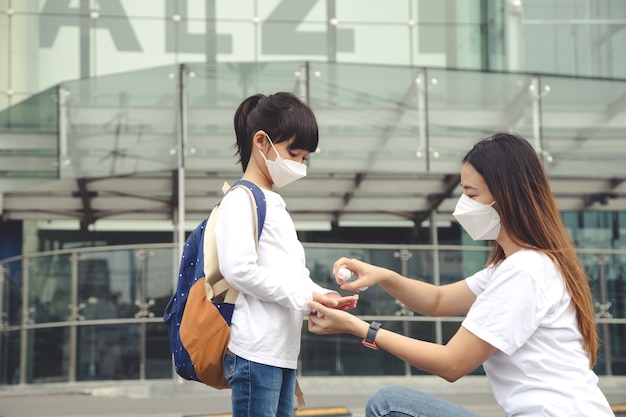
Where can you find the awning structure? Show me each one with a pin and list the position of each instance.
(142, 145)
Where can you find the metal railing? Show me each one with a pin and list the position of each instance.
(96, 313)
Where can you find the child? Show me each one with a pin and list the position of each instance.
(275, 135)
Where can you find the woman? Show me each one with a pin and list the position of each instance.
(529, 314)
(275, 135)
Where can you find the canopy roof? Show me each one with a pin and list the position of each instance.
(391, 140)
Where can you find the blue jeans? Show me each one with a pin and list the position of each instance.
(395, 401)
(259, 390)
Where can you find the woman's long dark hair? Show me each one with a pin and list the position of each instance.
(282, 116)
(528, 212)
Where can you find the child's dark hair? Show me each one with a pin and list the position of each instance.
(282, 116)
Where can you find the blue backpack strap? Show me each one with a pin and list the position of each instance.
(259, 198)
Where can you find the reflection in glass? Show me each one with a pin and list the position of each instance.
(48, 355)
(158, 363)
(49, 293)
(12, 290)
(9, 357)
(108, 352)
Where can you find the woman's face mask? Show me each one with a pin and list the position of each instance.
(283, 171)
(480, 221)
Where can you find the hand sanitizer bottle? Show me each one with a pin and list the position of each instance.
(347, 276)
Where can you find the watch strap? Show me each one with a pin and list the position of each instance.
(370, 338)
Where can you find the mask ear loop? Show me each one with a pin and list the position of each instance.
(273, 147)
(270, 141)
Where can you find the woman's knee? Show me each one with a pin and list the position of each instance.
(393, 401)
(390, 400)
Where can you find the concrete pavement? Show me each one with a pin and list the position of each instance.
(164, 398)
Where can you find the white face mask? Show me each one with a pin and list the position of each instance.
(480, 221)
(283, 171)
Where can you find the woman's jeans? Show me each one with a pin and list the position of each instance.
(395, 401)
(259, 390)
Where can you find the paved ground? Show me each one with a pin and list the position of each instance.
(190, 399)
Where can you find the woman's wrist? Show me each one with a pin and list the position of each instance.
(386, 276)
(361, 328)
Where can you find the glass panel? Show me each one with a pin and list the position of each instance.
(37, 113)
(109, 284)
(468, 50)
(304, 24)
(238, 41)
(30, 143)
(616, 284)
(344, 355)
(133, 39)
(160, 272)
(456, 265)
(25, 72)
(120, 124)
(158, 358)
(57, 47)
(422, 330)
(575, 39)
(108, 352)
(49, 293)
(48, 355)
(371, 11)
(9, 357)
(583, 136)
(617, 336)
(5, 61)
(447, 34)
(367, 126)
(214, 93)
(306, 40)
(12, 293)
(240, 9)
(466, 106)
(366, 45)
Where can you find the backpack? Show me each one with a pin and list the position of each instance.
(199, 313)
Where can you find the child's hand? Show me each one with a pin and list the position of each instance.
(334, 300)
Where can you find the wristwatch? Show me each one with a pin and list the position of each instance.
(369, 340)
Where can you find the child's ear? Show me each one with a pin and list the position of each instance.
(259, 140)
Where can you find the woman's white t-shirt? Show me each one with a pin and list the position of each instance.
(541, 368)
(274, 285)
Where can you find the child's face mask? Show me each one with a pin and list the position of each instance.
(283, 171)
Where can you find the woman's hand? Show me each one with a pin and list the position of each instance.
(334, 300)
(324, 320)
(368, 275)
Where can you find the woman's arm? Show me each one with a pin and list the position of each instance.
(461, 355)
(427, 299)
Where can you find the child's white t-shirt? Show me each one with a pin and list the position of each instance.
(274, 286)
(541, 368)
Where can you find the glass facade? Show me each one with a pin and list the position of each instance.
(45, 42)
(72, 40)
(96, 315)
